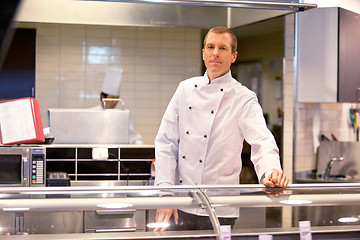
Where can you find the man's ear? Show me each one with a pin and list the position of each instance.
(202, 52)
(234, 57)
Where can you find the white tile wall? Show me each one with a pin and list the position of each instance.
(71, 62)
(334, 120)
(288, 106)
(288, 93)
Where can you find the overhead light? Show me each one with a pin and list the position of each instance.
(114, 205)
(16, 209)
(348, 219)
(66, 192)
(158, 225)
(295, 202)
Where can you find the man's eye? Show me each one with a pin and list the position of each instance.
(223, 48)
(210, 47)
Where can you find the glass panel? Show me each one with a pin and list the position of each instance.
(10, 169)
(112, 206)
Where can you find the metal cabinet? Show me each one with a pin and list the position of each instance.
(52, 222)
(9, 223)
(328, 55)
(349, 56)
(110, 221)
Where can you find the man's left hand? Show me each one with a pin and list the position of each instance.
(276, 179)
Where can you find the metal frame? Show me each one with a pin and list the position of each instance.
(124, 198)
(276, 5)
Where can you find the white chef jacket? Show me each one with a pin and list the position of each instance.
(134, 136)
(201, 136)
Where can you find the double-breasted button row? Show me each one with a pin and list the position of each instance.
(221, 89)
(212, 111)
(183, 157)
(188, 132)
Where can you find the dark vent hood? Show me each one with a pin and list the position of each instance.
(201, 14)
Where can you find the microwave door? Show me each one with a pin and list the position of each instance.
(11, 169)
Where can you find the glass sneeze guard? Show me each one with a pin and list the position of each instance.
(325, 205)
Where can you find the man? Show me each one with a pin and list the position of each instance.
(109, 95)
(201, 135)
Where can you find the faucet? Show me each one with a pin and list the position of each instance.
(329, 165)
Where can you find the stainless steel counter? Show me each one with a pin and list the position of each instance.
(320, 233)
(262, 210)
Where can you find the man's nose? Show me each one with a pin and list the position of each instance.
(216, 51)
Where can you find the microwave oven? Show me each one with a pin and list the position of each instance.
(22, 166)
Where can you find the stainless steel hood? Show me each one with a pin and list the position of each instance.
(201, 14)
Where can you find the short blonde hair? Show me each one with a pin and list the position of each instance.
(221, 29)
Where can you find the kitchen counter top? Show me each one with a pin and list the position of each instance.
(339, 232)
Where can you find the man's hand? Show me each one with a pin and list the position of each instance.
(276, 179)
(163, 215)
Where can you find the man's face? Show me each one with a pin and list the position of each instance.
(217, 54)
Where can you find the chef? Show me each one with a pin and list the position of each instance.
(111, 92)
(201, 135)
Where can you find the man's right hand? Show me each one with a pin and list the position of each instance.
(276, 179)
(164, 215)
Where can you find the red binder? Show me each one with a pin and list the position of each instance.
(20, 122)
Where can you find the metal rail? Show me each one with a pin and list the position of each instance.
(107, 200)
(113, 186)
(276, 5)
(147, 197)
(201, 198)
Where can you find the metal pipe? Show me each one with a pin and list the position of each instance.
(329, 165)
(123, 189)
(97, 203)
(202, 199)
(228, 3)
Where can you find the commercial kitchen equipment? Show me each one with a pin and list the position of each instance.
(88, 126)
(23, 166)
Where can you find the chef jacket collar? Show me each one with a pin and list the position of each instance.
(226, 78)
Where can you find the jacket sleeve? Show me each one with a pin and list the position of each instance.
(167, 144)
(264, 151)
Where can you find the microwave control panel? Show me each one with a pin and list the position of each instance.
(37, 167)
